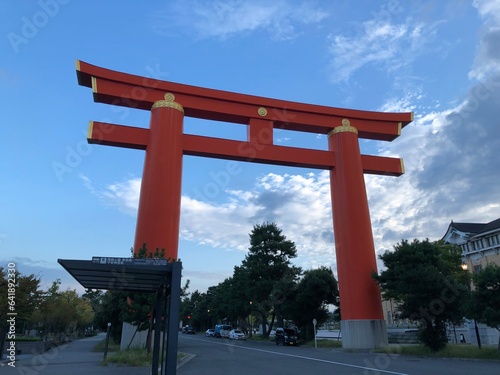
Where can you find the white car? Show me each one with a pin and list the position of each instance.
(210, 332)
(236, 334)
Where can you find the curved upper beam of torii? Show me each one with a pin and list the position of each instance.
(261, 114)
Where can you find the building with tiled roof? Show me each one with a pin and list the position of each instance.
(480, 244)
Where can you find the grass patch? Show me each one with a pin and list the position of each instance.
(325, 344)
(256, 337)
(451, 351)
(130, 357)
(112, 346)
(134, 357)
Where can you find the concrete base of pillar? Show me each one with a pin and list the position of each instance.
(363, 334)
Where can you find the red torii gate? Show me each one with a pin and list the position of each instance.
(363, 324)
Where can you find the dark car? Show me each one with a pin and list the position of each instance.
(286, 336)
(188, 329)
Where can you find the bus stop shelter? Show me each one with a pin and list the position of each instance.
(140, 275)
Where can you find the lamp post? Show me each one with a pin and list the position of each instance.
(465, 267)
(250, 320)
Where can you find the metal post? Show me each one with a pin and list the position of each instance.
(170, 364)
(107, 342)
(314, 327)
(477, 334)
(157, 330)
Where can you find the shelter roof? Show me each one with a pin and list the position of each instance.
(123, 274)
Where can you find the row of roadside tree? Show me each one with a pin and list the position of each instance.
(51, 314)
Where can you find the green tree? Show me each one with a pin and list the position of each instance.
(111, 311)
(267, 263)
(427, 282)
(26, 296)
(221, 305)
(95, 299)
(485, 299)
(63, 313)
(315, 291)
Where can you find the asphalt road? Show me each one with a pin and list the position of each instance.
(74, 358)
(220, 356)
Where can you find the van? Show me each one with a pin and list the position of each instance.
(222, 330)
(286, 336)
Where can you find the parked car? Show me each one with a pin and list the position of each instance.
(210, 332)
(236, 334)
(222, 330)
(286, 336)
(188, 329)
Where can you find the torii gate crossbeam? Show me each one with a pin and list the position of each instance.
(363, 325)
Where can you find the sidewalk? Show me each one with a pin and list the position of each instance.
(74, 358)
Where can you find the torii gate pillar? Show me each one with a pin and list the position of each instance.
(362, 325)
(160, 198)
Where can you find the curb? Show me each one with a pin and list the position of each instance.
(185, 359)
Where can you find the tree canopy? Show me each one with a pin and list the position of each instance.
(316, 290)
(268, 269)
(427, 282)
(485, 298)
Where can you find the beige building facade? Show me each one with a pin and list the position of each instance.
(480, 244)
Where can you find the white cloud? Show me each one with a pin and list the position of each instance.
(122, 195)
(223, 19)
(487, 61)
(488, 9)
(379, 42)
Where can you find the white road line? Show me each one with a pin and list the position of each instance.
(301, 357)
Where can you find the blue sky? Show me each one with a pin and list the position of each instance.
(439, 59)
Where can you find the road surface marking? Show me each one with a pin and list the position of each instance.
(301, 357)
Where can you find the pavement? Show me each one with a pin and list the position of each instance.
(74, 358)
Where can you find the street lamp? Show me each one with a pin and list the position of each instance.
(250, 320)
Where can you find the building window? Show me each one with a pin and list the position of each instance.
(478, 268)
